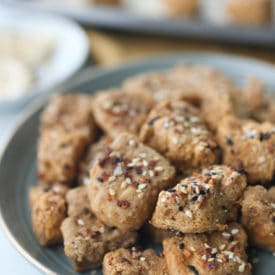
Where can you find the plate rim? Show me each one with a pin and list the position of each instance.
(92, 74)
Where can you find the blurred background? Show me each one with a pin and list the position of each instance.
(46, 43)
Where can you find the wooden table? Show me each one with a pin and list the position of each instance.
(113, 48)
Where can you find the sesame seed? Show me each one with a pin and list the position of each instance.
(142, 186)
(145, 163)
(112, 178)
(151, 173)
(163, 199)
(128, 180)
(234, 231)
(204, 257)
(86, 181)
(225, 234)
(219, 260)
(80, 222)
(222, 247)
(142, 259)
(242, 267)
(214, 250)
(188, 213)
(143, 155)
(112, 192)
(175, 140)
(261, 159)
(123, 184)
(118, 171)
(158, 168)
(132, 143)
(272, 205)
(206, 245)
(56, 189)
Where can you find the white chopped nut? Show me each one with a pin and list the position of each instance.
(234, 231)
(112, 192)
(118, 171)
(151, 173)
(132, 143)
(242, 267)
(80, 222)
(225, 234)
(158, 168)
(112, 178)
(188, 213)
(142, 186)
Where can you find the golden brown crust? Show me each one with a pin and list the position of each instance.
(48, 210)
(213, 253)
(250, 147)
(182, 7)
(258, 216)
(125, 183)
(249, 12)
(94, 151)
(67, 127)
(86, 238)
(134, 262)
(201, 203)
(116, 111)
(59, 152)
(176, 130)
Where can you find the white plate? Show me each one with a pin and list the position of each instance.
(71, 49)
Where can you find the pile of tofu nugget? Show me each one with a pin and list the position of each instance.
(184, 158)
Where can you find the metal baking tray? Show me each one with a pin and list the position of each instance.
(121, 19)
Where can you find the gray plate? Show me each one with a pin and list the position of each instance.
(18, 161)
(125, 20)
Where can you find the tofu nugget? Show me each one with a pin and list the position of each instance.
(175, 129)
(70, 111)
(125, 182)
(134, 262)
(59, 152)
(116, 111)
(258, 216)
(216, 253)
(86, 238)
(67, 127)
(201, 203)
(249, 146)
(48, 210)
(92, 153)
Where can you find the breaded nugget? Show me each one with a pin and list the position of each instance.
(48, 210)
(183, 82)
(249, 12)
(92, 153)
(176, 130)
(125, 182)
(86, 238)
(71, 112)
(59, 152)
(253, 101)
(197, 84)
(216, 253)
(201, 203)
(134, 262)
(258, 216)
(182, 7)
(116, 111)
(249, 146)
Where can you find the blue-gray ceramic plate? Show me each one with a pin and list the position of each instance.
(18, 161)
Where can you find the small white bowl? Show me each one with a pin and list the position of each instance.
(70, 52)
